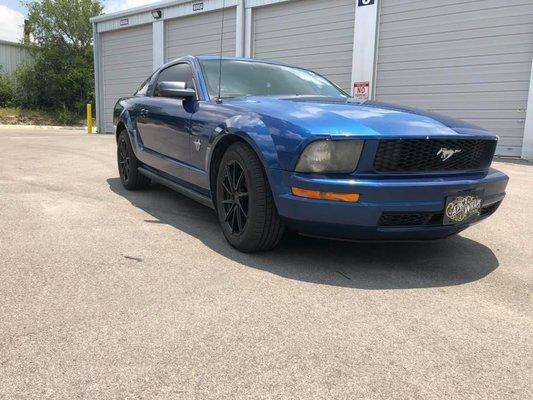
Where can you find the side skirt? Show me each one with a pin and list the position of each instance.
(200, 198)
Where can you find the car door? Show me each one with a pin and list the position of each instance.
(164, 123)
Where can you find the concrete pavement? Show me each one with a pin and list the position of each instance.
(109, 294)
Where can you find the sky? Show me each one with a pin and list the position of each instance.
(12, 15)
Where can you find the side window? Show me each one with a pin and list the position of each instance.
(177, 73)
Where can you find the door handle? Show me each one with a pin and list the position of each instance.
(144, 112)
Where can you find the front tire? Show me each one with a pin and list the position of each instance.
(128, 165)
(245, 206)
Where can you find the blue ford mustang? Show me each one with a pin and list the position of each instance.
(272, 147)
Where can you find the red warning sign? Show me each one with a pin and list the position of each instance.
(361, 91)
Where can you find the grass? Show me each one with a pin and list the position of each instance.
(19, 116)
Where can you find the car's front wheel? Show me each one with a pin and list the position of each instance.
(244, 201)
(128, 164)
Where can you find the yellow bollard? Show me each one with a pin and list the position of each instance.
(89, 118)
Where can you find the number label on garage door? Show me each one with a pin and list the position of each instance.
(198, 6)
(365, 3)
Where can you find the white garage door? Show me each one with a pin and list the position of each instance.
(467, 59)
(313, 34)
(126, 63)
(200, 35)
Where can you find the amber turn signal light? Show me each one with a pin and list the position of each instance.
(318, 195)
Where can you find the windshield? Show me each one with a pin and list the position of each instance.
(252, 78)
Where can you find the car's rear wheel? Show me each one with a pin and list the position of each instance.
(244, 201)
(128, 164)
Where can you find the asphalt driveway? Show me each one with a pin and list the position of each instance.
(109, 294)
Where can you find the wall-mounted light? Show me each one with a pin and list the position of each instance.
(157, 14)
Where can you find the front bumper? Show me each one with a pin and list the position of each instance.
(361, 220)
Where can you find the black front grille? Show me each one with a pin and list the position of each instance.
(430, 155)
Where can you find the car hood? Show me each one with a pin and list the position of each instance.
(324, 116)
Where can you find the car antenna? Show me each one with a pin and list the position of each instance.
(219, 98)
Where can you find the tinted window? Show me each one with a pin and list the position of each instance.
(252, 78)
(177, 73)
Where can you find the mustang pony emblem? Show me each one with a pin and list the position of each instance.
(445, 154)
(197, 144)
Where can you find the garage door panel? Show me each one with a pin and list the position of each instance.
(470, 60)
(340, 14)
(200, 29)
(200, 34)
(324, 26)
(465, 9)
(404, 29)
(302, 7)
(191, 37)
(407, 54)
(285, 53)
(455, 62)
(131, 44)
(308, 33)
(126, 63)
(307, 41)
(482, 33)
(399, 6)
(117, 37)
(476, 74)
(508, 43)
(502, 89)
(206, 40)
(206, 49)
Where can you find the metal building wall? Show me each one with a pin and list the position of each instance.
(467, 59)
(11, 56)
(314, 34)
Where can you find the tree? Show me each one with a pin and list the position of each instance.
(61, 73)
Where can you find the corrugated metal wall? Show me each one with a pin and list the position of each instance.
(467, 59)
(11, 56)
(313, 34)
(127, 62)
(200, 35)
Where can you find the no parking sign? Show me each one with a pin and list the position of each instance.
(361, 90)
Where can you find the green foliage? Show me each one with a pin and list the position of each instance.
(7, 89)
(60, 74)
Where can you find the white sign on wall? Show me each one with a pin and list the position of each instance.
(361, 91)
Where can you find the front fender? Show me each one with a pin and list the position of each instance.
(121, 116)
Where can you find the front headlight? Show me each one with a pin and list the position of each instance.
(331, 156)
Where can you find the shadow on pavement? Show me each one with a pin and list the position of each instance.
(454, 261)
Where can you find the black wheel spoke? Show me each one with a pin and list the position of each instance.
(239, 181)
(230, 212)
(239, 218)
(241, 209)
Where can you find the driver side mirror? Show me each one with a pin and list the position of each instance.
(177, 90)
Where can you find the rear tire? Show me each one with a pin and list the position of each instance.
(128, 165)
(245, 206)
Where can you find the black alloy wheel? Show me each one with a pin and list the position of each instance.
(128, 164)
(244, 201)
